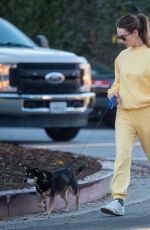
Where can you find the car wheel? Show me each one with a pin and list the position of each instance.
(62, 134)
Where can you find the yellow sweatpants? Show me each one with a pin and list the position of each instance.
(129, 124)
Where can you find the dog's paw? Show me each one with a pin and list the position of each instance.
(43, 206)
(44, 213)
(49, 212)
(67, 210)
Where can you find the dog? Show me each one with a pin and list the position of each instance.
(50, 184)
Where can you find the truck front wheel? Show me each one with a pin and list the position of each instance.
(62, 134)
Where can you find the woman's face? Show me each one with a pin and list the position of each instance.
(126, 38)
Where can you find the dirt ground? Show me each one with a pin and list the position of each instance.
(14, 160)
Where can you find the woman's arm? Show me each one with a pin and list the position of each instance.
(114, 90)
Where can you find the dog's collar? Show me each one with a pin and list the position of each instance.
(40, 190)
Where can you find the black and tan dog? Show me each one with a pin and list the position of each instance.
(50, 184)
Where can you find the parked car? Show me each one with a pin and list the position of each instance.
(102, 78)
(42, 87)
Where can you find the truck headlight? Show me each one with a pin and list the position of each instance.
(4, 78)
(86, 77)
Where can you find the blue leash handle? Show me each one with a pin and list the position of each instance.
(112, 102)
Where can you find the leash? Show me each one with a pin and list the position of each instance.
(111, 104)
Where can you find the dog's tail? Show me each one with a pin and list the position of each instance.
(79, 170)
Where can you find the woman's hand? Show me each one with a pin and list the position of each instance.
(111, 94)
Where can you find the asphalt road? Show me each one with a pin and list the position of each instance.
(98, 143)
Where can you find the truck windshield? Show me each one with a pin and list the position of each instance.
(13, 37)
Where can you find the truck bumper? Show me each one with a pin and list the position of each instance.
(45, 110)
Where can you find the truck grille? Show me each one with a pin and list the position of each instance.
(30, 78)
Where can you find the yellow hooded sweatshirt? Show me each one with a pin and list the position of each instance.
(132, 77)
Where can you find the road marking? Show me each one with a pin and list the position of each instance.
(75, 145)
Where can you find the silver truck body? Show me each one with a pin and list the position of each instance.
(42, 87)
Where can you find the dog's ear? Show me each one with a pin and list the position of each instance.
(37, 169)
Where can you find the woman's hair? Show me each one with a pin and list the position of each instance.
(139, 22)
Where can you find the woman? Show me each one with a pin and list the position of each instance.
(132, 89)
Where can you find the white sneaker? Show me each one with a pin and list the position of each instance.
(114, 208)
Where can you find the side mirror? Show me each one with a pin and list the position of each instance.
(42, 41)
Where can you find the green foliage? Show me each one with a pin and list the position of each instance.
(85, 27)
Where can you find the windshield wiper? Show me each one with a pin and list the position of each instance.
(11, 44)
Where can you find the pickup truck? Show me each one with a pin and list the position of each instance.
(42, 87)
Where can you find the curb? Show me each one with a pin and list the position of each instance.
(25, 201)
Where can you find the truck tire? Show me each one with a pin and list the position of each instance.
(62, 134)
